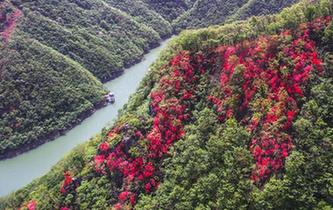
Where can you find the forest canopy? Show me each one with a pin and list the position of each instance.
(237, 116)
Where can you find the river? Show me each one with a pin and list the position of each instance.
(21, 170)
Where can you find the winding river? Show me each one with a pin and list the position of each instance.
(21, 170)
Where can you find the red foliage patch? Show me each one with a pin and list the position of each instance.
(31, 205)
(263, 79)
(260, 80)
(168, 106)
(67, 181)
(9, 21)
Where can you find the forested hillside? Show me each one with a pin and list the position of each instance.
(52, 55)
(231, 117)
(100, 37)
(143, 14)
(38, 99)
(260, 7)
(93, 33)
(42, 92)
(169, 9)
(204, 14)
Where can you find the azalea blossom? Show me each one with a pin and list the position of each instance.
(32, 205)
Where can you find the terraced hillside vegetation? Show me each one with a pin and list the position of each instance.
(55, 54)
(231, 117)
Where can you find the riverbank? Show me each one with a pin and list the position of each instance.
(81, 117)
(53, 135)
(21, 170)
(119, 72)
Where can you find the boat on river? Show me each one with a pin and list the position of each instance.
(19, 171)
(110, 98)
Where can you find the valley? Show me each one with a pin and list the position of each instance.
(237, 115)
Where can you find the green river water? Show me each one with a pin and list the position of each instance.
(21, 170)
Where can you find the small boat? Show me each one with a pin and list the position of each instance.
(110, 98)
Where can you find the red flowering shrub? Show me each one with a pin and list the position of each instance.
(123, 196)
(169, 108)
(118, 206)
(67, 181)
(31, 205)
(9, 22)
(261, 81)
(99, 163)
(104, 147)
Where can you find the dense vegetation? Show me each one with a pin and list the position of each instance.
(93, 33)
(203, 14)
(143, 14)
(231, 117)
(49, 50)
(42, 92)
(97, 36)
(169, 9)
(39, 99)
(260, 7)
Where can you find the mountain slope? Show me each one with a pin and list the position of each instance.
(39, 99)
(73, 39)
(169, 9)
(98, 36)
(102, 36)
(230, 117)
(259, 139)
(142, 14)
(203, 14)
(260, 7)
